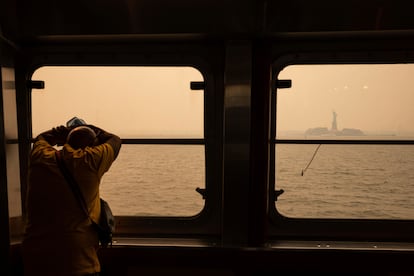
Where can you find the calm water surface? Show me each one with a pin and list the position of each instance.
(342, 181)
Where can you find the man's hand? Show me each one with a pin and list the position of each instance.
(56, 136)
(61, 134)
(105, 137)
(101, 135)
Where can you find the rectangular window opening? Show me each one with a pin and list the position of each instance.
(344, 145)
(139, 104)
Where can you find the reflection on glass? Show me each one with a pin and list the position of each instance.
(13, 180)
(9, 103)
(11, 135)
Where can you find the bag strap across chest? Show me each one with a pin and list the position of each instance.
(72, 183)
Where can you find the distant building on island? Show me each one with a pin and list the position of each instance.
(324, 131)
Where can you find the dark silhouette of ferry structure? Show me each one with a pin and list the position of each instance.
(240, 49)
(324, 131)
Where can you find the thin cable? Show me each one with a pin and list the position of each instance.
(313, 157)
(11, 43)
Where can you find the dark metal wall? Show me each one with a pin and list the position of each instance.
(57, 32)
(24, 21)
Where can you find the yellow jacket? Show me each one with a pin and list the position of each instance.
(59, 238)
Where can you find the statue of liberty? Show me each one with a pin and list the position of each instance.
(334, 125)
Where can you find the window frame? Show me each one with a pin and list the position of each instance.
(281, 227)
(152, 54)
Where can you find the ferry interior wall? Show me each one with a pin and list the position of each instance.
(242, 50)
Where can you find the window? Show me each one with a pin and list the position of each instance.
(12, 168)
(159, 118)
(344, 144)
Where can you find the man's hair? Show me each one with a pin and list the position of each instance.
(81, 137)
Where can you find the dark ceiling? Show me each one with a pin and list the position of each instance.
(23, 20)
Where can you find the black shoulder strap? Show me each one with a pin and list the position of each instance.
(72, 182)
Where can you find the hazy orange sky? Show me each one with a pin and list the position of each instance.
(373, 98)
(133, 102)
(137, 102)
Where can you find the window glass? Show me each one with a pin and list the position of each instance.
(346, 102)
(153, 180)
(134, 102)
(11, 135)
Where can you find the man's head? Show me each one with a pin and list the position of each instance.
(81, 137)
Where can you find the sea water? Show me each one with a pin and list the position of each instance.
(346, 181)
(156, 180)
(342, 181)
